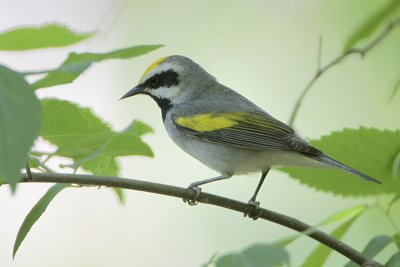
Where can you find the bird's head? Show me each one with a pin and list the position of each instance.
(172, 80)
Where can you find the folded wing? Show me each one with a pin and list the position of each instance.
(253, 131)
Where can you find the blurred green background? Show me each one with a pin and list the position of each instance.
(265, 50)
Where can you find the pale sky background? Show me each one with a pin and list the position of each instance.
(267, 51)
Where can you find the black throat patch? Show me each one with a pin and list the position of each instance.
(164, 104)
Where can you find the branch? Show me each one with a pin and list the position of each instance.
(361, 51)
(206, 198)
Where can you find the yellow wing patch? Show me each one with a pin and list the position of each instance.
(152, 66)
(211, 121)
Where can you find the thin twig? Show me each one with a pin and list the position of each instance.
(361, 51)
(206, 198)
(319, 59)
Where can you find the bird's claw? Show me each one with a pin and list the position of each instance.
(192, 201)
(254, 210)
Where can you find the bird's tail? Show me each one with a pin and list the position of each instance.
(330, 161)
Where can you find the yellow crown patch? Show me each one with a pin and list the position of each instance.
(152, 66)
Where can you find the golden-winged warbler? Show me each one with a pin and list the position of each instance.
(223, 129)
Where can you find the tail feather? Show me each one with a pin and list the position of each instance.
(334, 163)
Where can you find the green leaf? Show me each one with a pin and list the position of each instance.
(20, 115)
(396, 240)
(76, 64)
(106, 166)
(80, 147)
(103, 164)
(116, 145)
(232, 260)
(62, 119)
(66, 123)
(120, 194)
(376, 245)
(35, 214)
(370, 26)
(259, 255)
(395, 89)
(38, 153)
(394, 261)
(335, 217)
(396, 164)
(94, 165)
(368, 150)
(138, 128)
(121, 144)
(81, 135)
(343, 214)
(51, 35)
(322, 252)
(33, 162)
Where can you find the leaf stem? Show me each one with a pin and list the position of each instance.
(47, 169)
(206, 198)
(361, 51)
(36, 72)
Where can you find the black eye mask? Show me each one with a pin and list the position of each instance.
(164, 79)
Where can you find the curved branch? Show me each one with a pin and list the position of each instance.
(361, 51)
(206, 198)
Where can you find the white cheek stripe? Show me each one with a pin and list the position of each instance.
(171, 93)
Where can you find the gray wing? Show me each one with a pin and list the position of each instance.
(253, 131)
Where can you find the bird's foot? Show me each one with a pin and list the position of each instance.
(254, 210)
(193, 201)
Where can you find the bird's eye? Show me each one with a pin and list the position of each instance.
(154, 81)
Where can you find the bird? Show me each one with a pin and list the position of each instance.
(221, 128)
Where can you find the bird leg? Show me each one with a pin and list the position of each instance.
(197, 189)
(254, 206)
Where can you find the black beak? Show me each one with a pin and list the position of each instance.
(134, 91)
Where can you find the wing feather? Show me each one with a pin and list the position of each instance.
(254, 131)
